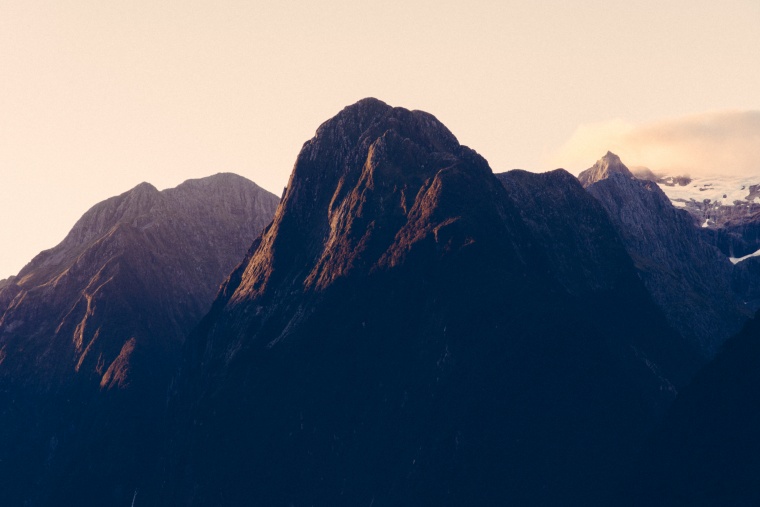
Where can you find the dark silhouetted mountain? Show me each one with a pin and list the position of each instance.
(707, 451)
(582, 247)
(90, 334)
(746, 282)
(410, 332)
(687, 277)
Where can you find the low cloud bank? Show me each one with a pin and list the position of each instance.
(725, 142)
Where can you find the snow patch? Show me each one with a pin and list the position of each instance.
(737, 260)
(724, 190)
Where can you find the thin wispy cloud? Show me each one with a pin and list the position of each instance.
(723, 142)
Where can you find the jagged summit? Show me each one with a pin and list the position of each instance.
(603, 168)
(360, 124)
(674, 261)
(353, 186)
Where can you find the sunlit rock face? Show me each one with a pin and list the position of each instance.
(605, 167)
(413, 330)
(90, 333)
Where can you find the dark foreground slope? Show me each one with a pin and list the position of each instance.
(90, 333)
(688, 278)
(707, 451)
(403, 335)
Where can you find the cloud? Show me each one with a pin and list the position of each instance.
(725, 142)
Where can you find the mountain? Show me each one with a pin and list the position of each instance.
(706, 452)
(582, 248)
(91, 331)
(688, 278)
(605, 167)
(726, 207)
(711, 200)
(411, 329)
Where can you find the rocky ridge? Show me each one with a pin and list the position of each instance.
(686, 275)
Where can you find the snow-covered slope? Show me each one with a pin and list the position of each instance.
(712, 200)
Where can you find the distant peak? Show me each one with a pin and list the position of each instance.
(144, 187)
(604, 167)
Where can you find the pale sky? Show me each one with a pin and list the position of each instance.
(97, 96)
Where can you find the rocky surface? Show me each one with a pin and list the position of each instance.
(583, 249)
(90, 333)
(746, 282)
(687, 277)
(727, 208)
(736, 237)
(604, 167)
(409, 331)
(711, 200)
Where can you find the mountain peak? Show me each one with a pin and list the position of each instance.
(353, 186)
(143, 187)
(367, 120)
(604, 167)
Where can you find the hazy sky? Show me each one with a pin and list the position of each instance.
(98, 95)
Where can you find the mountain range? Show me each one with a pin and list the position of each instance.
(404, 327)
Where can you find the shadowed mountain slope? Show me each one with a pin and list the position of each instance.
(687, 277)
(90, 333)
(707, 450)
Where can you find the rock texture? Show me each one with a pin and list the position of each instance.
(713, 201)
(687, 277)
(90, 333)
(746, 282)
(736, 237)
(582, 247)
(604, 167)
(401, 335)
(726, 208)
